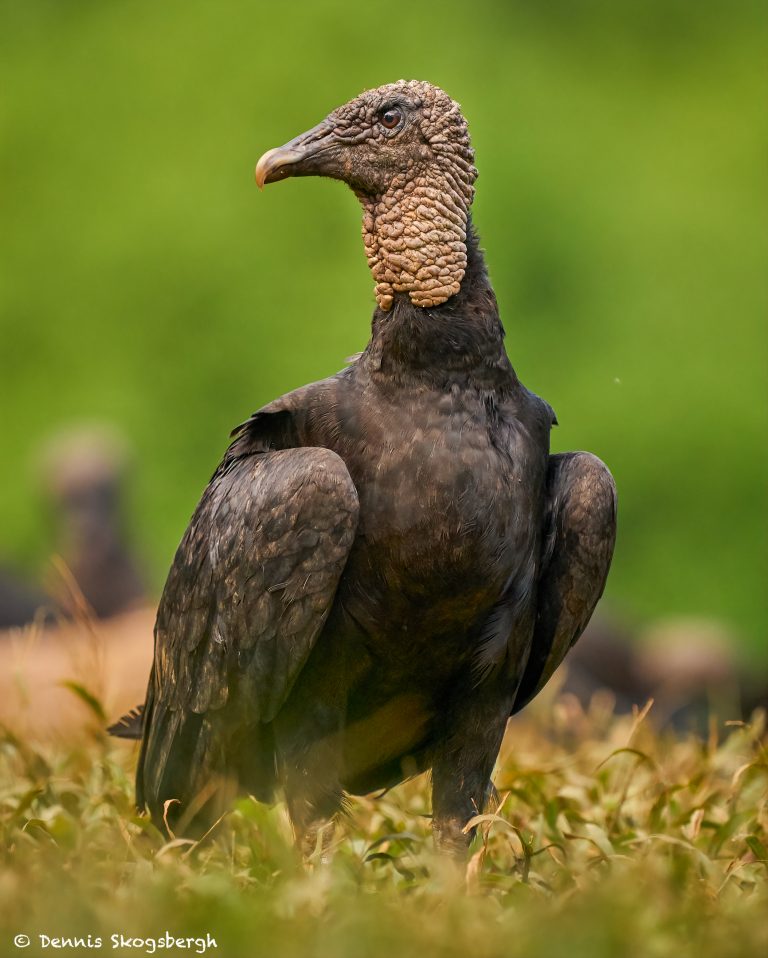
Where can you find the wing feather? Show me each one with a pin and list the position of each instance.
(250, 589)
(578, 548)
(241, 603)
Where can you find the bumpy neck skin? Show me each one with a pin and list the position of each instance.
(459, 341)
(415, 234)
(415, 230)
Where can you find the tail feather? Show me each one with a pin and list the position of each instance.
(130, 725)
(182, 761)
(198, 762)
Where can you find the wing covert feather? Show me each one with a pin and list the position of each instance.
(253, 581)
(580, 535)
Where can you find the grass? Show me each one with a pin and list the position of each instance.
(611, 839)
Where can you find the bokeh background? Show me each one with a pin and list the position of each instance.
(622, 202)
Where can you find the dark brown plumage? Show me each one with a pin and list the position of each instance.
(388, 563)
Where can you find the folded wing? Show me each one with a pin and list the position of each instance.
(580, 534)
(248, 594)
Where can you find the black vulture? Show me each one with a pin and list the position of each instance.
(84, 472)
(388, 563)
(87, 471)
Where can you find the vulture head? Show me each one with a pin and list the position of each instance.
(404, 150)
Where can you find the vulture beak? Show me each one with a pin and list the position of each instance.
(306, 155)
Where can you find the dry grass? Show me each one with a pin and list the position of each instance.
(611, 839)
(111, 658)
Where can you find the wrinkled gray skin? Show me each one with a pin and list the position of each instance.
(386, 565)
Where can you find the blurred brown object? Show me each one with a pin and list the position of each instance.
(47, 674)
(683, 656)
(84, 472)
(689, 666)
(84, 476)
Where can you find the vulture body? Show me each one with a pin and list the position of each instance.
(388, 563)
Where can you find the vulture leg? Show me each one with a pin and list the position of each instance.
(462, 765)
(309, 735)
(579, 536)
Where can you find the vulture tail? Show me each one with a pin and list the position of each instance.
(179, 777)
(191, 768)
(130, 725)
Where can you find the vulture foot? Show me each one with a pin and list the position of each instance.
(315, 842)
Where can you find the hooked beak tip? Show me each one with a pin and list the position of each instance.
(264, 167)
(299, 157)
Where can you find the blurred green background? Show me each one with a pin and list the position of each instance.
(622, 202)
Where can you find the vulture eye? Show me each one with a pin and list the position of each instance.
(390, 118)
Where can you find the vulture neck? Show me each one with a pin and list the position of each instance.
(460, 342)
